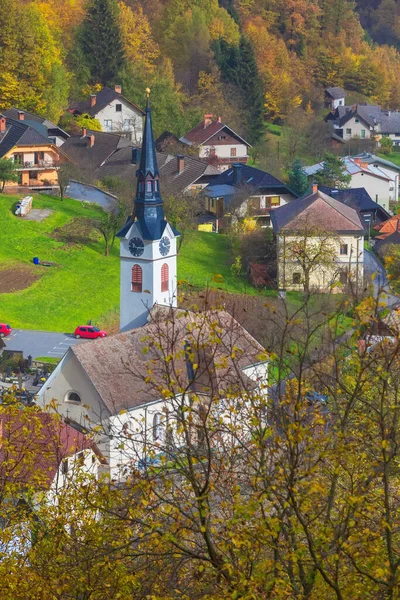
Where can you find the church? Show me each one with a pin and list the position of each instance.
(129, 384)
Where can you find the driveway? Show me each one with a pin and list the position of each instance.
(40, 343)
(90, 193)
(372, 266)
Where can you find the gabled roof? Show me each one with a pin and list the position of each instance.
(317, 210)
(105, 144)
(103, 98)
(373, 158)
(336, 92)
(200, 135)
(38, 447)
(393, 238)
(248, 176)
(357, 198)
(12, 113)
(19, 133)
(117, 365)
(388, 227)
(167, 139)
(351, 166)
(369, 113)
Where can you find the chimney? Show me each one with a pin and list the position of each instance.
(207, 120)
(3, 124)
(21, 115)
(135, 159)
(84, 132)
(219, 119)
(92, 100)
(90, 141)
(118, 89)
(314, 188)
(237, 173)
(180, 163)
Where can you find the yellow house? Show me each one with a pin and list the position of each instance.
(320, 243)
(36, 157)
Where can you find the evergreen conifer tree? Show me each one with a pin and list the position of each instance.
(297, 178)
(333, 174)
(100, 40)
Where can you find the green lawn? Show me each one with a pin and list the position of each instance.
(203, 261)
(84, 286)
(394, 157)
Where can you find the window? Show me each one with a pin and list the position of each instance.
(362, 134)
(296, 278)
(212, 202)
(118, 107)
(340, 103)
(348, 131)
(343, 277)
(18, 158)
(148, 186)
(73, 397)
(212, 151)
(80, 458)
(233, 151)
(53, 140)
(275, 200)
(222, 137)
(64, 466)
(107, 125)
(344, 249)
(141, 186)
(158, 427)
(127, 124)
(38, 157)
(137, 278)
(357, 120)
(164, 278)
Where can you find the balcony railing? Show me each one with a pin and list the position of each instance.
(37, 183)
(41, 164)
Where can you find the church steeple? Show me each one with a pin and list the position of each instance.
(148, 203)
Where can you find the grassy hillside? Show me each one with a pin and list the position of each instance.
(85, 284)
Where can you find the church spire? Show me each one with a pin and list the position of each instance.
(148, 203)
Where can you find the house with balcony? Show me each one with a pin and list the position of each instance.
(28, 145)
(115, 112)
(55, 134)
(217, 143)
(244, 190)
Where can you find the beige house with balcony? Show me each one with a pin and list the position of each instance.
(36, 157)
(320, 244)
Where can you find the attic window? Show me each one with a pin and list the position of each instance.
(222, 137)
(73, 397)
(357, 120)
(118, 107)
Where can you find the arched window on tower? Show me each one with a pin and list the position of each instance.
(164, 278)
(137, 277)
(149, 186)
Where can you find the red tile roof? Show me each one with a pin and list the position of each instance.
(200, 134)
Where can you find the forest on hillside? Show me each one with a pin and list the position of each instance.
(251, 61)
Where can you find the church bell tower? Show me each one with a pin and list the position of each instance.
(147, 244)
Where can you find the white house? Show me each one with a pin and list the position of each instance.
(365, 121)
(323, 227)
(334, 97)
(217, 143)
(115, 113)
(380, 184)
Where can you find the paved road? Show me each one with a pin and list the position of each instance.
(40, 343)
(380, 282)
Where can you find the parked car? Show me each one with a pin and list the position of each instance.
(5, 330)
(89, 332)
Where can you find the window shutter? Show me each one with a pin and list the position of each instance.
(136, 278)
(164, 278)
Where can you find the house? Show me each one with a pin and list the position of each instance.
(55, 134)
(36, 157)
(365, 121)
(217, 143)
(115, 113)
(248, 190)
(388, 227)
(167, 141)
(360, 200)
(382, 244)
(42, 451)
(101, 155)
(315, 220)
(334, 97)
(378, 183)
(120, 383)
(389, 168)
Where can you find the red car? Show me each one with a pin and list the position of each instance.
(5, 330)
(90, 332)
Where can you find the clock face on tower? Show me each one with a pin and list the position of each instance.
(136, 246)
(164, 246)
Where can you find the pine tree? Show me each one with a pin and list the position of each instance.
(333, 174)
(100, 40)
(298, 178)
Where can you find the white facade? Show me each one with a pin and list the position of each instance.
(135, 305)
(337, 102)
(226, 152)
(347, 265)
(356, 128)
(381, 190)
(120, 116)
(393, 175)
